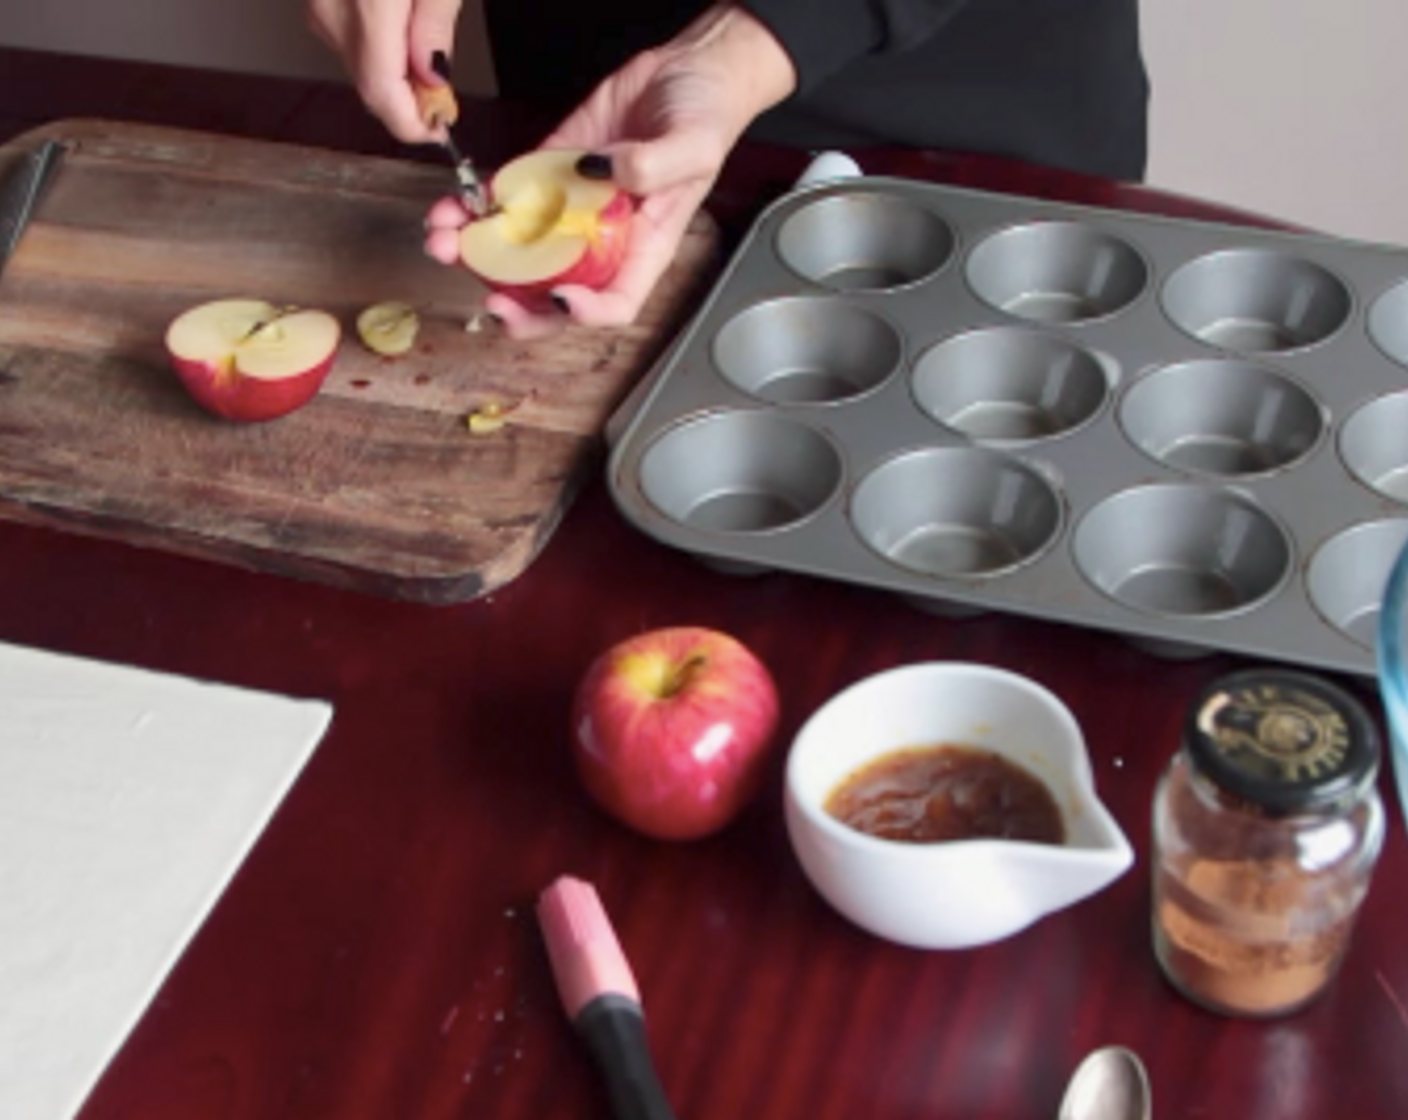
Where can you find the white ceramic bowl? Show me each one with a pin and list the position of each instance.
(951, 894)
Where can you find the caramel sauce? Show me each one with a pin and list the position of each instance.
(947, 792)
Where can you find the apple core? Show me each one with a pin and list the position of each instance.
(548, 225)
(532, 213)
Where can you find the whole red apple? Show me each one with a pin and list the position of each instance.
(548, 225)
(671, 730)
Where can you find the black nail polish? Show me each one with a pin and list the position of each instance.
(560, 303)
(594, 166)
(440, 63)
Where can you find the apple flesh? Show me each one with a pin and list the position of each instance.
(671, 730)
(547, 225)
(248, 360)
(388, 329)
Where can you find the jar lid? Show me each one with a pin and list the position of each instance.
(1283, 741)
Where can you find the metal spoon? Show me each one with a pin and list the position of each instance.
(1110, 1084)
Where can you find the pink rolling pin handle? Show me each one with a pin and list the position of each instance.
(600, 997)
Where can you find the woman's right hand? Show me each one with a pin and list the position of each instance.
(386, 47)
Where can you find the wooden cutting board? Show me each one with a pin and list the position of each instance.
(378, 484)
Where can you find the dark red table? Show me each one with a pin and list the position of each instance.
(376, 958)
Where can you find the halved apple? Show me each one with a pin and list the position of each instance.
(246, 359)
(547, 225)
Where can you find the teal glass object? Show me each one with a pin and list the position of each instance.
(1393, 669)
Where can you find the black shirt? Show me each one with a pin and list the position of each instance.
(1054, 82)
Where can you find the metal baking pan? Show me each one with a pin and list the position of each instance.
(1189, 433)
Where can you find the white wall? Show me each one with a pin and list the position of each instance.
(1293, 108)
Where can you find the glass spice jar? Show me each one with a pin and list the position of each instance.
(1267, 824)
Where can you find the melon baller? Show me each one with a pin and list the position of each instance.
(439, 108)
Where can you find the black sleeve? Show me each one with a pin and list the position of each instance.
(822, 36)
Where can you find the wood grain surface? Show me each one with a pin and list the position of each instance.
(377, 485)
(376, 957)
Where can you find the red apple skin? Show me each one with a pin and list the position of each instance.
(235, 396)
(595, 268)
(671, 730)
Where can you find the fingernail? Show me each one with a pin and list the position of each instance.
(594, 166)
(440, 63)
(560, 303)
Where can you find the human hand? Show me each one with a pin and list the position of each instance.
(664, 123)
(387, 47)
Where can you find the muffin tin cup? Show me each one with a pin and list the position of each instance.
(859, 241)
(1374, 445)
(1388, 323)
(1192, 435)
(956, 512)
(1347, 574)
(1257, 300)
(806, 350)
(1222, 417)
(1182, 550)
(1010, 385)
(740, 472)
(1057, 271)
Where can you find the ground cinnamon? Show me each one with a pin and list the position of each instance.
(1267, 827)
(1232, 933)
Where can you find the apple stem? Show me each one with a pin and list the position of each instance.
(678, 679)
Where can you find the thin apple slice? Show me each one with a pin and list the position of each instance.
(549, 225)
(388, 328)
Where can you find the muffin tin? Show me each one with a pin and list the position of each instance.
(1192, 434)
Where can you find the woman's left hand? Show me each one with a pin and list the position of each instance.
(666, 121)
